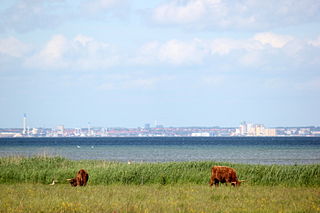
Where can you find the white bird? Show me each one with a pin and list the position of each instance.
(78, 147)
(53, 182)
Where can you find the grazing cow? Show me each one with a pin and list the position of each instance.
(81, 179)
(224, 174)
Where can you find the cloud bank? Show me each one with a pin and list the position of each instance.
(86, 53)
(235, 15)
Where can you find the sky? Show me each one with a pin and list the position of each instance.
(125, 63)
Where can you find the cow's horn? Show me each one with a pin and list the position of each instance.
(242, 180)
(69, 179)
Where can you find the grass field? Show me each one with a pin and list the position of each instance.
(157, 198)
(154, 187)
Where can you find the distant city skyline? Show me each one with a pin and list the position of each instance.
(178, 62)
(243, 130)
(156, 124)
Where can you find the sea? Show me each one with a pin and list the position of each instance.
(249, 150)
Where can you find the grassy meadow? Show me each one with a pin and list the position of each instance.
(154, 187)
(155, 198)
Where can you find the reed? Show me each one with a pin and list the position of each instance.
(43, 169)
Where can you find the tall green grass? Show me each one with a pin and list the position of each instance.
(42, 169)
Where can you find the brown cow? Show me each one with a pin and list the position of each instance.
(81, 179)
(224, 174)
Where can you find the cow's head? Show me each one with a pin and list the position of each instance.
(72, 181)
(237, 182)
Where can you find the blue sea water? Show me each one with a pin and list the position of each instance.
(252, 150)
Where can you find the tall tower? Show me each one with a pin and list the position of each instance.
(89, 130)
(24, 131)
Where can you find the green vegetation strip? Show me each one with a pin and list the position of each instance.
(42, 169)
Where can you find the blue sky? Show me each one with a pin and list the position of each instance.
(178, 62)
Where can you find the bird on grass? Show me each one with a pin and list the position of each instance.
(53, 182)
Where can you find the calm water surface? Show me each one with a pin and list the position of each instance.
(253, 150)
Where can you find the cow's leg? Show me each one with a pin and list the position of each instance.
(223, 181)
(79, 182)
(211, 181)
(216, 182)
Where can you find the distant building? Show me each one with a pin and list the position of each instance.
(60, 130)
(270, 132)
(304, 131)
(200, 134)
(10, 133)
(315, 133)
(243, 130)
(256, 130)
(35, 131)
(248, 129)
(147, 126)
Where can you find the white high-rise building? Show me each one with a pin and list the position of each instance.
(243, 128)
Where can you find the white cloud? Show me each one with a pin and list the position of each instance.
(254, 51)
(224, 46)
(106, 8)
(29, 15)
(178, 52)
(226, 14)
(147, 54)
(25, 16)
(121, 82)
(315, 42)
(13, 47)
(51, 55)
(174, 52)
(86, 53)
(83, 40)
(187, 12)
(276, 41)
(55, 48)
(96, 5)
(249, 51)
(81, 53)
(180, 13)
